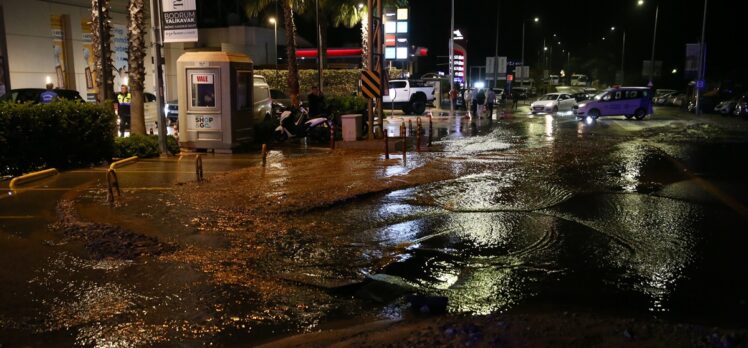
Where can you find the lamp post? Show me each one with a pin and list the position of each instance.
(536, 20)
(496, 51)
(702, 60)
(452, 62)
(274, 22)
(654, 41)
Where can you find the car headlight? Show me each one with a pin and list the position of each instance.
(582, 105)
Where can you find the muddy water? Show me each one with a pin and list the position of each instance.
(541, 211)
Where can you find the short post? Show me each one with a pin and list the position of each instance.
(332, 135)
(199, 168)
(431, 129)
(264, 154)
(386, 145)
(410, 127)
(418, 134)
(404, 138)
(112, 183)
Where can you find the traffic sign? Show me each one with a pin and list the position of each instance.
(371, 85)
(700, 84)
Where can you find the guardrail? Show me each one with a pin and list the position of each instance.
(124, 162)
(30, 177)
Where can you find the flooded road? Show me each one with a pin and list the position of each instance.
(639, 219)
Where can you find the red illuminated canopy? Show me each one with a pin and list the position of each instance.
(331, 52)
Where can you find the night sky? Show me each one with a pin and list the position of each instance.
(580, 26)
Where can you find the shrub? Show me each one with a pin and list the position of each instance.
(143, 146)
(62, 134)
(337, 82)
(341, 105)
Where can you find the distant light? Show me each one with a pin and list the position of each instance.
(538, 19)
(612, 28)
(457, 32)
(479, 85)
(603, 38)
(559, 42)
(360, 5)
(545, 48)
(675, 71)
(48, 80)
(554, 35)
(640, 2)
(272, 20)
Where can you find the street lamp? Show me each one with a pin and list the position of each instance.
(452, 62)
(274, 22)
(654, 41)
(536, 20)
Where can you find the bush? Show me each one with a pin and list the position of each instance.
(143, 146)
(338, 82)
(341, 105)
(62, 134)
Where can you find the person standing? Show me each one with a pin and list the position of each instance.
(316, 102)
(515, 100)
(481, 100)
(123, 109)
(490, 101)
(49, 95)
(468, 97)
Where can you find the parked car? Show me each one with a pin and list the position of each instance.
(663, 99)
(628, 101)
(411, 96)
(262, 102)
(32, 95)
(726, 107)
(579, 80)
(553, 103)
(678, 99)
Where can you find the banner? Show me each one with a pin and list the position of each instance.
(119, 57)
(58, 50)
(693, 58)
(88, 59)
(179, 20)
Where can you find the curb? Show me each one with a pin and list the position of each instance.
(30, 177)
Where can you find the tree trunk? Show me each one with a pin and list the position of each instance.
(136, 64)
(365, 42)
(323, 38)
(293, 68)
(102, 46)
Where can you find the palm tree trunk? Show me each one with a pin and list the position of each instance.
(365, 41)
(136, 64)
(101, 40)
(293, 68)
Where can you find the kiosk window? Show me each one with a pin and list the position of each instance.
(243, 84)
(203, 90)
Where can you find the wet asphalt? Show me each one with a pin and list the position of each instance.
(636, 218)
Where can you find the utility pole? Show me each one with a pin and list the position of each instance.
(522, 59)
(654, 41)
(452, 61)
(702, 60)
(496, 50)
(623, 57)
(158, 43)
(319, 47)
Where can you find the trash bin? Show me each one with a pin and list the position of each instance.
(352, 127)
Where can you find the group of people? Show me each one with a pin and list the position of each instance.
(480, 102)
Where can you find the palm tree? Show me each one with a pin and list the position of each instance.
(135, 60)
(253, 9)
(102, 46)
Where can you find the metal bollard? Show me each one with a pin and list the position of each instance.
(405, 139)
(431, 129)
(418, 134)
(410, 127)
(386, 145)
(332, 135)
(112, 182)
(264, 154)
(199, 168)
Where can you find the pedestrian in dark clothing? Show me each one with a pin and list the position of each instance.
(481, 99)
(490, 100)
(515, 101)
(123, 109)
(316, 102)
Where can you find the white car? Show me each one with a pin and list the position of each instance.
(553, 103)
(411, 96)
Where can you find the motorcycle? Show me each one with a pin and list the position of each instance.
(296, 124)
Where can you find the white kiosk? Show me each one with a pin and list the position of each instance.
(215, 100)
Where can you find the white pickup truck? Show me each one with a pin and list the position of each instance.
(411, 96)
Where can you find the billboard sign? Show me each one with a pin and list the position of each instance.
(179, 20)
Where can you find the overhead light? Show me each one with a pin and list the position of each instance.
(612, 28)
(537, 19)
(675, 71)
(640, 2)
(271, 20)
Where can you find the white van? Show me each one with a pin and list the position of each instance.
(263, 102)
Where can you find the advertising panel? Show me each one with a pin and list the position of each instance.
(179, 20)
(58, 50)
